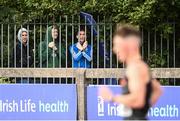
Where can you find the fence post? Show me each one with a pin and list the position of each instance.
(82, 93)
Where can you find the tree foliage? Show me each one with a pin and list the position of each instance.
(141, 12)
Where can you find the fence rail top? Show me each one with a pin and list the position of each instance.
(89, 73)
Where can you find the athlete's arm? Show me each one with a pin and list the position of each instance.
(156, 92)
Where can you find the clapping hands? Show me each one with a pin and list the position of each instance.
(52, 45)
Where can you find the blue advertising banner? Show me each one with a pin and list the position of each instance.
(38, 102)
(167, 107)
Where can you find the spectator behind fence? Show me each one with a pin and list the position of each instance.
(51, 53)
(49, 50)
(81, 52)
(22, 55)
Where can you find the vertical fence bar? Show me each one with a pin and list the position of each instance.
(66, 38)
(174, 44)
(86, 34)
(47, 43)
(168, 52)
(2, 45)
(174, 48)
(161, 45)
(111, 45)
(14, 46)
(60, 45)
(21, 49)
(117, 65)
(72, 37)
(79, 23)
(66, 42)
(28, 44)
(40, 46)
(47, 47)
(98, 43)
(53, 48)
(92, 38)
(21, 52)
(168, 56)
(111, 39)
(104, 42)
(85, 25)
(60, 42)
(14, 53)
(72, 43)
(8, 47)
(155, 43)
(34, 50)
(104, 32)
(53, 23)
(34, 44)
(97, 47)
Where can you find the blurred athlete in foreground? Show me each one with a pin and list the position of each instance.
(140, 91)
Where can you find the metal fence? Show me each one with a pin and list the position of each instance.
(157, 49)
(81, 77)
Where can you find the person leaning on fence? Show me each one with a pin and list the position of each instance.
(81, 52)
(22, 55)
(49, 50)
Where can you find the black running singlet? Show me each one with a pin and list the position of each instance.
(139, 113)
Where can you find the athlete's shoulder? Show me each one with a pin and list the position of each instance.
(138, 65)
(143, 66)
(139, 70)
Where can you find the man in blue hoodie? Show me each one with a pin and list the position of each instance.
(81, 52)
